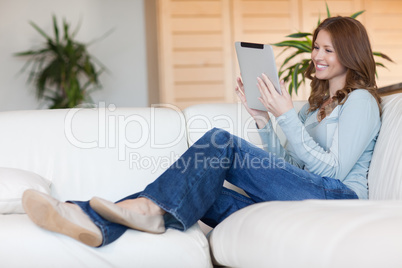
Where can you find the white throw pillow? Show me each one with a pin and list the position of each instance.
(13, 183)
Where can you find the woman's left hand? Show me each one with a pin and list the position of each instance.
(275, 103)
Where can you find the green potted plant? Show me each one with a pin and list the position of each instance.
(63, 71)
(293, 72)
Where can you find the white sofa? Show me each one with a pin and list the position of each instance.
(113, 152)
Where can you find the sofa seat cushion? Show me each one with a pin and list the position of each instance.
(13, 183)
(26, 245)
(312, 233)
(108, 152)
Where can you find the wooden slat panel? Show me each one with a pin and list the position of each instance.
(388, 38)
(265, 37)
(182, 104)
(386, 22)
(275, 24)
(197, 36)
(198, 91)
(198, 33)
(265, 21)
(198, 58)
(385, 29)
(315, 9)
(228, 51)
(389, 76)
(265, 7)
(335, 7)
(387, 7)
(198, 74)
(196, 8)
(165, 52)
(196, 25)
(197, 41)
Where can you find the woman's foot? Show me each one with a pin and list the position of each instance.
(135, 214)
(60, 217)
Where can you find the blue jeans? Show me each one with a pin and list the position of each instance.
(192, 188)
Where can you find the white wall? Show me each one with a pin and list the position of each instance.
(123, 52)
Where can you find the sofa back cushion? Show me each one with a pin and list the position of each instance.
(232, 117)
(385, 175)
(106, 152)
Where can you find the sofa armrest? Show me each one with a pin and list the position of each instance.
(312, 233)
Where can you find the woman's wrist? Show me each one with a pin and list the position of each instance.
(261, 121)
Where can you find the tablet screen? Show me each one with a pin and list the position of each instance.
(254, 60)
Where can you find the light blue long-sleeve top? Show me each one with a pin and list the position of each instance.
(340, 146)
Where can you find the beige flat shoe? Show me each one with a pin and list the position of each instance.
(60, 217)
(111, 212)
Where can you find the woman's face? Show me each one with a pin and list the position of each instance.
(326, 62)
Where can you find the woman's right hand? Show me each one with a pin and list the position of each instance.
(261, 117)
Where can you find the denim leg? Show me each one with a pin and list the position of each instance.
(227, 202)
(190, 187)
(265, 177)
(285, 182)
(110, 231)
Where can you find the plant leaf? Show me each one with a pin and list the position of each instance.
(382, 55)
(381, 65)
(101, 65)
(355, 15)
(328, 13)
(77, 28)
(309, 41)
(298, 35)
(290, 88)
(56, 29)
(32, 52)
(36, 27)
(294, 78)
(289, 58)
(65, 27)
(280, 53)
(301, 45)
(102, 37)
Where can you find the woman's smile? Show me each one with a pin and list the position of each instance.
(326, 62)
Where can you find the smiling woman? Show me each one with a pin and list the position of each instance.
(327, 65)
(342, 61)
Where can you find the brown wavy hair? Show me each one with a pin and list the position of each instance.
(352, 47)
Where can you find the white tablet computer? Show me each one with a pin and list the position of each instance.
(254, 60)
